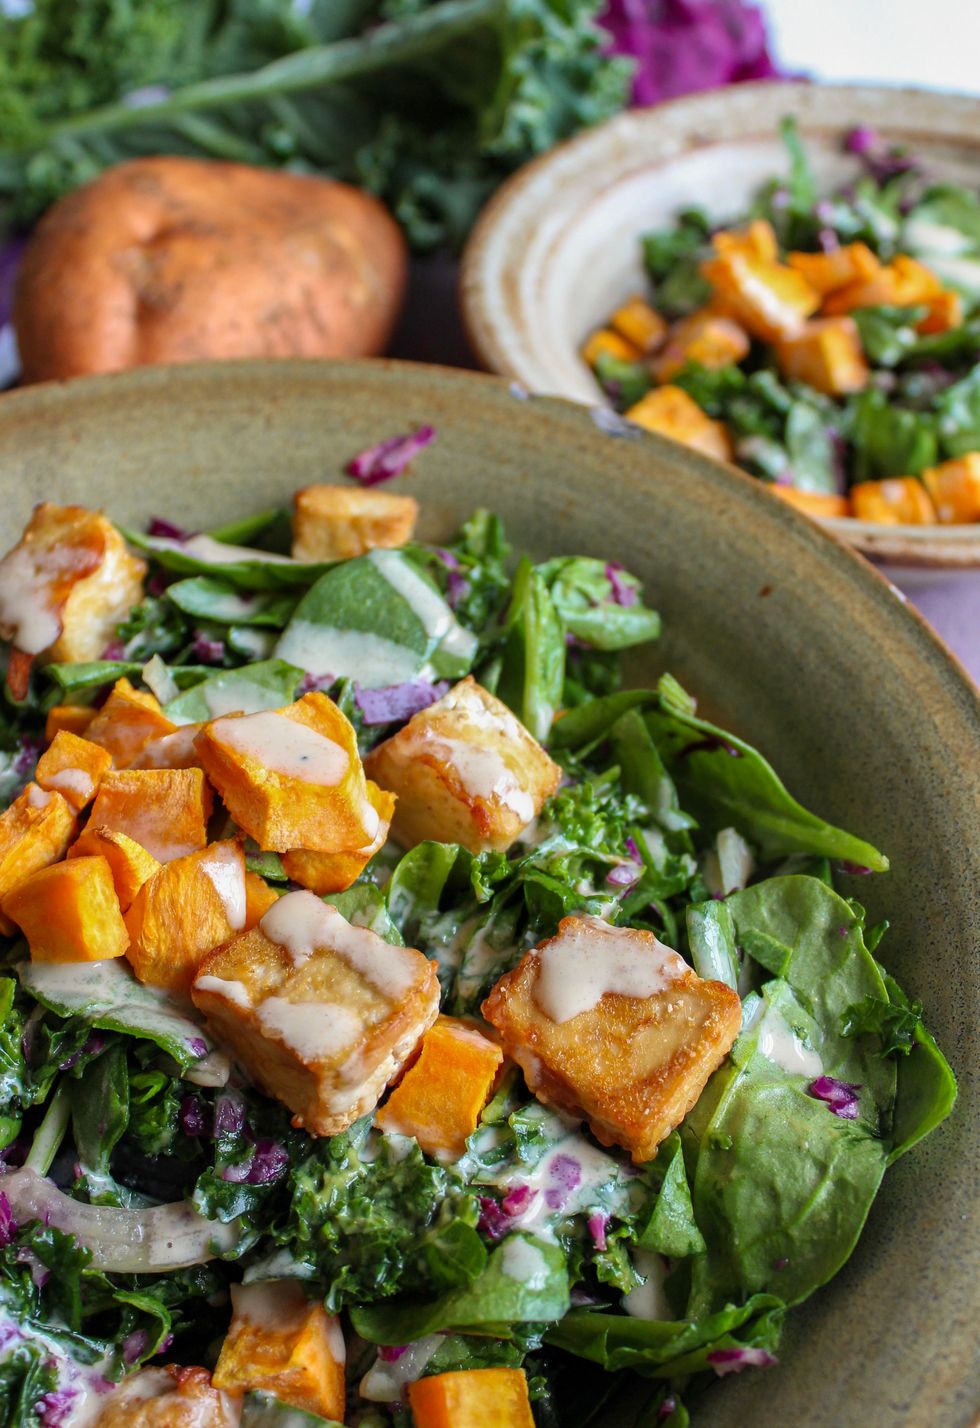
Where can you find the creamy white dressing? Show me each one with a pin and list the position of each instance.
(37, 797)
(589, 959)
(301, 924)
(428, 606)
(26, 615)
(270, 1304)
(85, 1384)
(285, 747)
(239, 696)
(315, 1031)
(484, 774)
(648, 1300)
(778, 1044)
(224, 867)
(347, 654)
(235, 992)
(76, 781)
(217, 552)
(170, 751)
(522, 1261)
(385, 1382)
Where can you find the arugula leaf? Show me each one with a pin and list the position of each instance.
(15, 1095)
(269, 684)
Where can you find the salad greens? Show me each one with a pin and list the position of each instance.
(538, 1247)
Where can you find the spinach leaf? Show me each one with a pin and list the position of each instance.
(77, 681)
(711, 938)
(218, 601)
(671, 1228)
(245, 567)
(958, 409)
(889, 440)
(811, 450)
(364, 905)
(600, 608)
(15, 1093)
(642, 771)
(269, 684)
(624, 383)
(888, 334)
(533, 667)
(100, 1108)
(673, 258)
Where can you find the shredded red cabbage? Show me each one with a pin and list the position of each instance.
(597, 1229)
(10, 256)
(8, 1225)
(622, 593)
(115, 649)
(166, 529)
(391, 1353)
(229, 1114)
(397, 701)
(856, 870)
(192, 1117)
(725, 1361)
(682, 46)
(494, 1222)
(565, 1174)
(841, 1096)
(516, 1201)
(667, 1407)
(55, 1409)
(205, 650)
(881, 161)
(624, 875)
(457, 585)
(390, 457)
(134, 1345)
(311, 683)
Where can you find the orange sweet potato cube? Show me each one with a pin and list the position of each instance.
(903, 282)
(282, 1343)
(74, 717)
(613, 1027)
(767, 298)
(131, 866)
(259, 897)
(955, 489)
(441, 1095)
(472, 1398)
(184, 911)
(292, 778)
(707, 337)
(166, 811)
(74, 767)
(945, 311)
(34, 831)
(757, 240)
(669, 411)
(826, 272)
(896, 501)
(606, 343)
(127, 721)
(827, 354)
(333, 872)
(640, 324)
(814, 503)
(340, 522)
(69, 912)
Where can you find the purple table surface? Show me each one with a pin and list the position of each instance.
(431, 331)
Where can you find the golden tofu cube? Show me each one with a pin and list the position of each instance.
(465, 770)
(896, 501)
(610, 1025)
(320, 1013)
(128, 721)
(827, 354)
(282, 1343)
(35, 831)
(670, 411)
(292, 778)
(131, 866)
(166, 811)
(708, 338)
(955, 489)
(67, 585)
(340, 522)
(769, 299)
(639, 324)
(171, 1397)
(74, 767)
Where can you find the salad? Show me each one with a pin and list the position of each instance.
(404, 1023)
(828, 345)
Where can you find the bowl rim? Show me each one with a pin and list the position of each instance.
(491, 332)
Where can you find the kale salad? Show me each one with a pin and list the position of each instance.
(403, 1022)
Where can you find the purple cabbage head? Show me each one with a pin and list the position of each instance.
(390, 457)
(840, 1096)
(725, 1361)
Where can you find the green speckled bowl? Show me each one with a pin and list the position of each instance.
(797, 642)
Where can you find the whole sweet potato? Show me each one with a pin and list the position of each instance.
(177, 260)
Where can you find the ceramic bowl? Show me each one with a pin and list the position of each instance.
(780, 630)
(558, 247)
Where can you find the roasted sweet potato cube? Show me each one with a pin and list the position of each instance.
(69, 912)
(171, 1397)
(320, 1013)
(609, 1024)
(190, 906)
(903, 282)
(757, 240)
(131, 866)
(65, 587)
(896, 501)
(472, 1398)
(767, 298)
(640, 324)
(708, 338)
(74, 767)
(333, 872)
(827, 354)
(282, 1343)
(945, 311)
(166, 811)
(340, 522)
(292, 778)
(814, 503)
(259, 897)
(126, 723)
(441, 1096)
(75, 718)
(34, 831)
(826, 272)
(955, 489)
(606, 343)
(669, 411)
(465, 770)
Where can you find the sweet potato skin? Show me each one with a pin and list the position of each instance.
(174, 259)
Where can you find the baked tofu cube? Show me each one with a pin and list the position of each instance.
(903, 282)
(944, 311)
(333, 872)
(320, 1013)
(827, 272)
(75, 718)
(440, 1098)
(74, 767)
(292, 778)
(610, 1025)
(606, 343)
(34, 831)
(955, 489)
(171, 1397)
(669, 411)
(827, 354)
(814, 503)
(131, 866)
(126, 723)
(708, 338)
(340, 522)
(282, 1343)
(182, 912)
(69, 912)
(769, 299)
(465, 770)
(166, 811)
(896, 501)
(756, 240)
(640, 324)
(68, 583)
